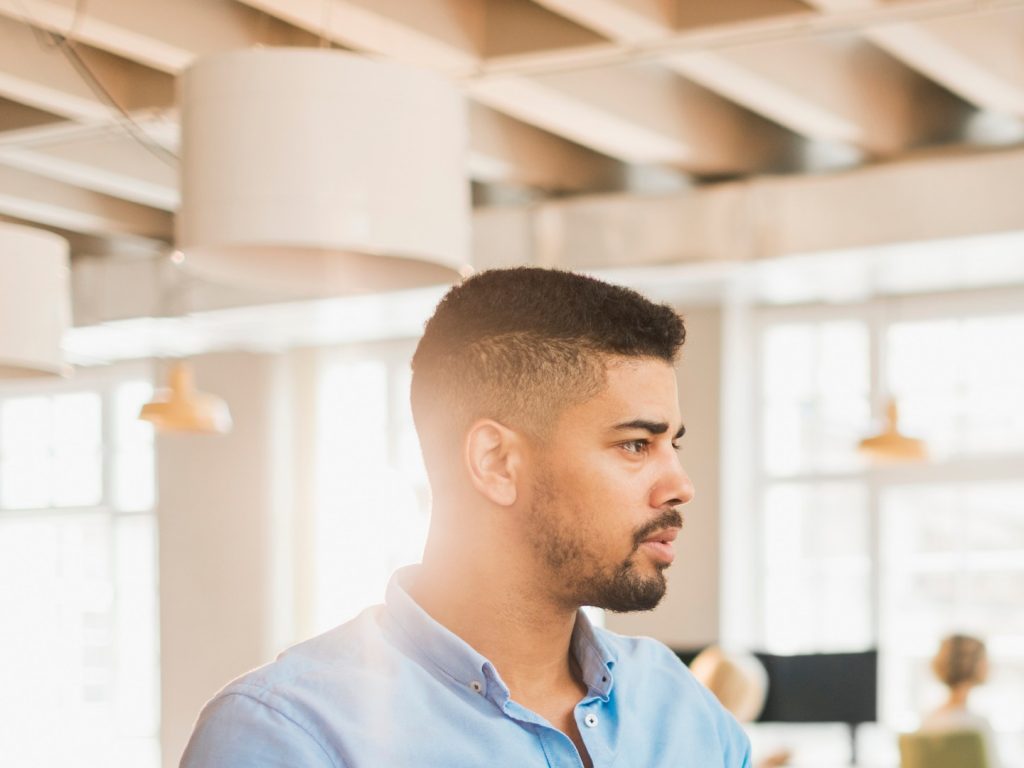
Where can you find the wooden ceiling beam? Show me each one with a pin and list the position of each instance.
(101, 158)
(629, 21)
(37, 73)
(505, 150)
(445, 35)
(639, 114)
(30, 197)
(975, 54)
(833, 89)
(164, 36)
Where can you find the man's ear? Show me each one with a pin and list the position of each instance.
(493, 458)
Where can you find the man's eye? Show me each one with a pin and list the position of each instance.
(636, 446)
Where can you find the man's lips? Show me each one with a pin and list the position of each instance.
(659, 545)
(666, 535)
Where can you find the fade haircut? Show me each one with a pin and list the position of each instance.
(520, 345)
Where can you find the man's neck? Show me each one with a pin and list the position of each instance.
(527, 638)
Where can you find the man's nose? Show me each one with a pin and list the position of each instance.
(675, 486)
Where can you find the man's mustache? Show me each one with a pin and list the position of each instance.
(670, 519)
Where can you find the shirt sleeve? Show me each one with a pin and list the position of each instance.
(740, 752)
(239, 731)
(736, 743)
(736, 750)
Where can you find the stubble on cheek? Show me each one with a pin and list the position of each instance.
(585, 564)
(562, 534)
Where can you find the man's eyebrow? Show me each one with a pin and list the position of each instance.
(654, 427)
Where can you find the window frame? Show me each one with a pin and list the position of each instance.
(103, 381)
(958, 470)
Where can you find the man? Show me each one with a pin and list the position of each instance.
(547, 410)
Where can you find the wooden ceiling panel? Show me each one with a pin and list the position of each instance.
(623, 20)
(640, 113)
(831, 88)
(693, 14)
(566, 95)
(31, 197)
(16, 116)
(974, 51)
(446, 35)
(36, 72)
(156, 33)
(505, 150)
(514, 27)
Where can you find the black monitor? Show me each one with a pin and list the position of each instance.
(821, 688)
(818, 688)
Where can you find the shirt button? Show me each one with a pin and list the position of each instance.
(476, 686)
(590, 720)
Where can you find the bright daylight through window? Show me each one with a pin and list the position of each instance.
(78, 573)
(856, 556)
(371, 488)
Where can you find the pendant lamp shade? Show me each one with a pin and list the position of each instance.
(890, 445)
(180, 408)
(35, 302)
(322, 173)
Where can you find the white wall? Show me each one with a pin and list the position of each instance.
(218, 512)
(688, 616)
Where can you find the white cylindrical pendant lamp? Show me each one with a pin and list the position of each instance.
(322, 172)
(35, 302)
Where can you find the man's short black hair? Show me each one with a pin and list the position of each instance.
(519, 345)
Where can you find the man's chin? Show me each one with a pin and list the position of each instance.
(634, 595)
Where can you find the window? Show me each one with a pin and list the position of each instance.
(853, 555)
(969, 404)
(371, 487)
(817, 567)
(953, 557)
(78, 655)
(815, 390)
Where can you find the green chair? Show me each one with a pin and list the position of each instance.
(953, 749)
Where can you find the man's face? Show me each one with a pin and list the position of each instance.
(603, 517)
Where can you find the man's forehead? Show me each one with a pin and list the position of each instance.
(642, 389)
(637, 375)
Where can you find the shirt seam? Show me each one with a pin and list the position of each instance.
(259, 694)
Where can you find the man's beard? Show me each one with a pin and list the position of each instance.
(560, 540)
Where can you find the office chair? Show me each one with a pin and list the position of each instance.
(952, 749)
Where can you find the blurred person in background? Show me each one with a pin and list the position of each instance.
(740, 682)
(961, 664)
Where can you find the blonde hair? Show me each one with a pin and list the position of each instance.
(738, 681)
(960, 659)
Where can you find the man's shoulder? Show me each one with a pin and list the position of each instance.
(279, 710)
(326, 660)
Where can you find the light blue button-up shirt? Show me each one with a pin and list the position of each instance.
(394, 688)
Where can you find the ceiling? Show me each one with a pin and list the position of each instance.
(567, 97)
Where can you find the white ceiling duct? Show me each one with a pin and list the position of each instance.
(35, 303)
(322, 173)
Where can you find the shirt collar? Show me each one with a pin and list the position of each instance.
(442, 649)
(595, 657)
(428, 640)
